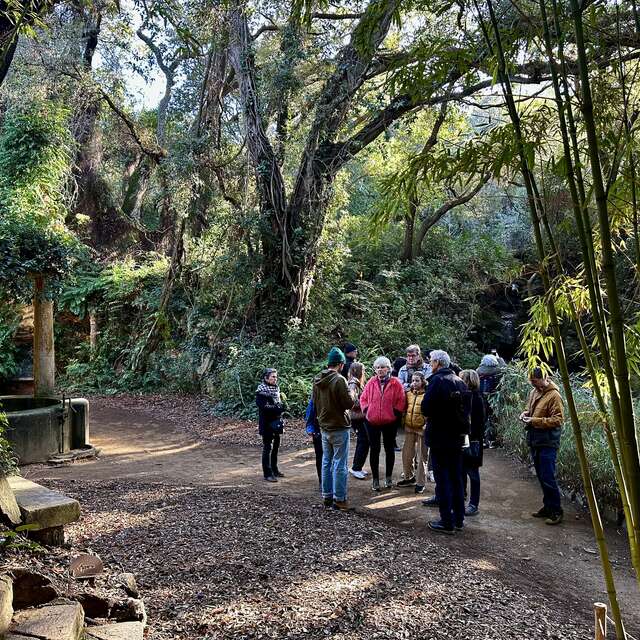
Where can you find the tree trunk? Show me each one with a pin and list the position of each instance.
(44, 367)
(93, 330)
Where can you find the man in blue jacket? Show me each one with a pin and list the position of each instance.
(446, 405)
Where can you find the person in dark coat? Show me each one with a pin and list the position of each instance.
(313, 429)
(446, 405)
(472, 458)
(270, 426)
(351, 356)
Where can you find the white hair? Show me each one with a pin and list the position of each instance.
(382, 361)
(489, 361)
(442, 357)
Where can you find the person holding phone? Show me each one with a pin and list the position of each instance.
(543, 420)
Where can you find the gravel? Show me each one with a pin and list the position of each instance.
(238, 564)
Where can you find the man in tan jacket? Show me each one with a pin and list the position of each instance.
(543, 420)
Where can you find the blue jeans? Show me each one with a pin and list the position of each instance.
(335, 461)
(544, 461)
(447, 470)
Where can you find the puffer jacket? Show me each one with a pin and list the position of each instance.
(383, 405)
(413, 419)
(547, 413)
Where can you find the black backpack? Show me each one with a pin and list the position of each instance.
(460, 406)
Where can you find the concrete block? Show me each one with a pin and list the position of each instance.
(119, 631)
(53, 622)
(42, 506)
(8, 504)
(6, 603)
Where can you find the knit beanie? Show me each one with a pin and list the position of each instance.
(348, 348)
(335, 357)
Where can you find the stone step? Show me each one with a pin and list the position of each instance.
(119, 631)
(51, 622)
(42, 506)
(6, 603)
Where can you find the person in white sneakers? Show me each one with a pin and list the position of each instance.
(356, 384)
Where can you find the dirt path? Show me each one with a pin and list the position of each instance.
(557, 564)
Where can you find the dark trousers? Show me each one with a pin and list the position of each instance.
(270, 446)
(362, 445)
(447, 470)
(386, 434)
(472, 472)
(544, 461)
(317, 447)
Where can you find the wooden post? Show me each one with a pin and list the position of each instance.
(600, 614)
(93, 330)
(43, 346)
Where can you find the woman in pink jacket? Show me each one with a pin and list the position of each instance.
(383, 401)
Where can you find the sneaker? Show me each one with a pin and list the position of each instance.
(431, 477)
(375, 485)
(431, 502)
(271, 479)
(357, 474)
(327, 502)
(365, 472)
(278, 474)
(555, 518)
(439, 527)
(419, 488)
(543, 513)
(388, 483)
(342, 505)
(407, 482)
(471, 510)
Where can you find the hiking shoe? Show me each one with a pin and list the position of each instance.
(431, 477)
(555, 518)
(278, 474)
(342, 505)
(419, 488)
(431, 502)
(357, 474)
(543, 513)
(388, 483)
(271, 479)
(375, 485)
(407, 482)
(439, 527)
(327, 502)
(471, 510)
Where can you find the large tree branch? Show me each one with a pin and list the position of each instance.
(437, 215)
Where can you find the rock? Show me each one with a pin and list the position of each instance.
(42, 506)
(53, 622)
(6, 603)
(95, 606)
(129, 610)
(119, 631)
(30, 588)
(8, 505)
(128, 582)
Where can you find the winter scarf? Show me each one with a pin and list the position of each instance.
(269, 390)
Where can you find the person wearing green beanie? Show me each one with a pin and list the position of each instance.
(332, 401)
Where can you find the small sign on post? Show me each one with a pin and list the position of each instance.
(86, 566)
(600, 614)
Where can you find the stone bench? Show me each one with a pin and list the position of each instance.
(49, 510)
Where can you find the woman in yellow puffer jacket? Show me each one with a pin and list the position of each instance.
(414, 447)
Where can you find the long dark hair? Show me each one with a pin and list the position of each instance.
(356, 371)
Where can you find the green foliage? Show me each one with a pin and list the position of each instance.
(8, 461)
(14, 539)
(510, 401)
(35, 161)
(9, 321)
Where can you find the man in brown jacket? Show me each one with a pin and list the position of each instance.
(543, 421)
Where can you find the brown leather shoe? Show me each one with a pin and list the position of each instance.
(342, 506)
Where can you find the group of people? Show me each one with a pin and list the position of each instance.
(444, 413)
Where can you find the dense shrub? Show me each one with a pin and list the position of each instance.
(510, 401)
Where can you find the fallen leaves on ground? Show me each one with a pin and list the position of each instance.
(239, 564)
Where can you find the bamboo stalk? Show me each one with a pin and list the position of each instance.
(629, 453)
